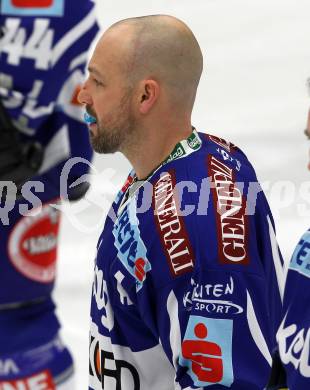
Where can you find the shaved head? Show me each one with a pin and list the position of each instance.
(163, 48)
(141, 88)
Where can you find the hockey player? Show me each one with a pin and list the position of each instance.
(188, 274)
(43, 52)
(294, 333)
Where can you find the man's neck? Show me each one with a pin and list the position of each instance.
(154, 147)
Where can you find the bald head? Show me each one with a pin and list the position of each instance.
(163, 48)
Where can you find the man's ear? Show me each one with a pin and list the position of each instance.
(148, 95)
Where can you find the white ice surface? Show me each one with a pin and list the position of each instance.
(257, 60)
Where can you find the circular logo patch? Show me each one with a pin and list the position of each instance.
(32, 245)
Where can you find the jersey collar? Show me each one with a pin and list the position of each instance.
(182, 149)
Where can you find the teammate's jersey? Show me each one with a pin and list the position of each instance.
(43, 53)
(294, 333)
(188, 277)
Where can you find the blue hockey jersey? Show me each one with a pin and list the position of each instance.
(43, 52)
(188, 277)
(294, 333)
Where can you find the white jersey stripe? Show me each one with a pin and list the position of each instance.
(276, 259)
(79, 60)
(73, 35)
(57, 150)
(175, 332)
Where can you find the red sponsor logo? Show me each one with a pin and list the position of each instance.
(139, 269)
(32, 3)
(228, 146)
(32, 245)
(128, 183)
(171, 226)
(231, 219)
(40, 381)
(207, 368)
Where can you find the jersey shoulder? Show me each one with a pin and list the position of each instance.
(298, 277)
(301, 257)
(212, 155)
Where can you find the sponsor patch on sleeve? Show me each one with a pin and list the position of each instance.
(171, 226)
(230, 214)
(32, 245)
(33, 7)
(301, 257)
(214, 297)
(130, 246)
(207, 351)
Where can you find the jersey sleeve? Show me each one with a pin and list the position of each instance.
(294, 332)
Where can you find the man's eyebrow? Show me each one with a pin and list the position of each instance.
(306, 133)
(93, 70)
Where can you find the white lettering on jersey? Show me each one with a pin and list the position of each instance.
(8, 366)
(217, 290)
(199, 297)
(41, 381)
(100, 292)
(38, 47)
(297, 353)
(123, 296)
(174, 236)
(276, 259)
(230, 214)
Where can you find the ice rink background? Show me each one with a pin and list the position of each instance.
(253, 92)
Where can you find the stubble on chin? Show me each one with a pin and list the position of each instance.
(118, 129)
(105, 141)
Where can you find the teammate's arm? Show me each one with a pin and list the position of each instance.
(18, 162)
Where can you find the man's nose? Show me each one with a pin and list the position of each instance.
(84, 97)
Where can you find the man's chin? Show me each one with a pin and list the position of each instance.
(96, 147)
(102, 148)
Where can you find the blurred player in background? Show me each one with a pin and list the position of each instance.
(294, 333)
(43, 51)
(188, 275)
(291, 362)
